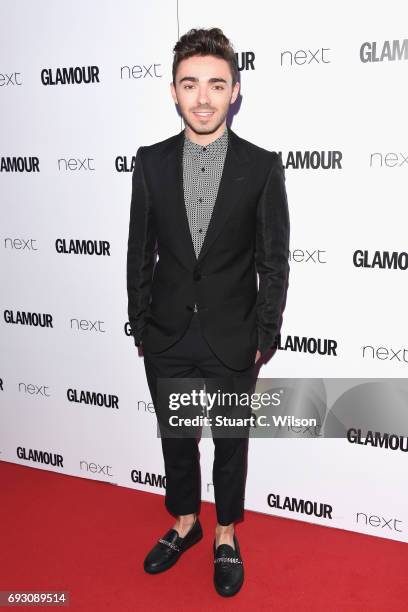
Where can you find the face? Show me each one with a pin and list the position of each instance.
(204, 92)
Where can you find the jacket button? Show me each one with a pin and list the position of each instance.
(197, 275)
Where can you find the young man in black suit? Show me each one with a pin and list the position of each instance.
(214, 207)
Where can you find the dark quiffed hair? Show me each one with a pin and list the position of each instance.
(205, 42)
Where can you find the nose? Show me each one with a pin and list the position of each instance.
(203, 95)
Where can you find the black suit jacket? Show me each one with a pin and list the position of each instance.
(248, 233)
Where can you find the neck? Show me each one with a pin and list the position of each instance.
(204, 139)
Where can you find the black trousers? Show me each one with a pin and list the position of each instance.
(192, 357)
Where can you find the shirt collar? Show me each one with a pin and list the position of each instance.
(216, 147)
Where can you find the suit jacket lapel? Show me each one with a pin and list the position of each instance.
(171, 177)
(232, 187)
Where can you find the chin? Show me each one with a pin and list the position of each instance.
(204, 128)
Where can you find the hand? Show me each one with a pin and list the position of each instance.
(258, 354)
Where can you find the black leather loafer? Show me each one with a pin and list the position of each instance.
(228, 569)
(170, 547)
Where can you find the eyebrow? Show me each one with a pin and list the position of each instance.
(195, 79)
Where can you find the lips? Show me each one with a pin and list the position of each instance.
(203, 114)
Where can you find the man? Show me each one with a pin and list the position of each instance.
(214, 206)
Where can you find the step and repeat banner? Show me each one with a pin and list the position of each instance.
(82, 86)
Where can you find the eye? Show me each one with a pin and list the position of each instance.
(187, 86)
(219, 87)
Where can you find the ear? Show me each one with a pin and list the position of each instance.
(173, 92)
(235, 92)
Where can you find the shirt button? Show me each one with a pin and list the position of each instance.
(200, 230)
(200, 199)
(202, 169)
(204, 149)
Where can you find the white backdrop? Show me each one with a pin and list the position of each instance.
(309, 87)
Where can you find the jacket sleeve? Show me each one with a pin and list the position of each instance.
(272, 254)
(140, 251)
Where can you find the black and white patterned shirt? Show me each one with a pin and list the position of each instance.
(202, 171)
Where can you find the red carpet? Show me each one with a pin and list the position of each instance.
(89, 538)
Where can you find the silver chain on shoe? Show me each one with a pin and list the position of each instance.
(173, 546)
(227, 559)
